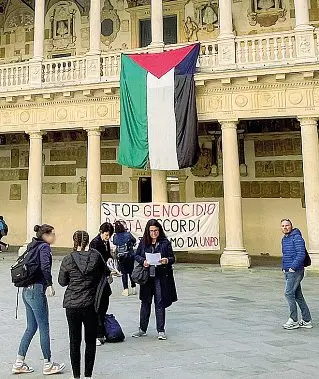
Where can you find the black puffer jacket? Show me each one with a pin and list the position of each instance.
(81, 272)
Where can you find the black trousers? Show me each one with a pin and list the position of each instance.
(101, 316)
(76, 317)
(159, 308)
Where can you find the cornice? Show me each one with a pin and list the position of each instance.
(60, 102)
(258, 86)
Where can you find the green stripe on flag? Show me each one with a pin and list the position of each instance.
(133, 148)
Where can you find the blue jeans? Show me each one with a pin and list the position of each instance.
(37, 311)
(294, 295)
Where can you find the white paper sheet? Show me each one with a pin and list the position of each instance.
(153, 259)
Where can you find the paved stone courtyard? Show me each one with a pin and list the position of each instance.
(225, 325)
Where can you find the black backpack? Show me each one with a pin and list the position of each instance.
(122, 252)
(5, 228)
(27, 268)
(307, 261)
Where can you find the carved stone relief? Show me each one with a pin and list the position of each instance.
(110, 24)
(205, 18)
(208, 16)
(284, 168)
(278, 147)
(254, 189)
(266, 12)
(62, 20)
(81, 190)
(15, 192)
(60, 170)
(5, 162)
(204, 165)
(138, 3)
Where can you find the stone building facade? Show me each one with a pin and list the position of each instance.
(257, 98)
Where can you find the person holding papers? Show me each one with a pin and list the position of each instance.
(156, 254)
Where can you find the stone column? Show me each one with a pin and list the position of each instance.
(226, 39)
(310, 157)
(93, 212)
(302, 14)
(93, 56)
(36, 62)
(235, 254)
(159, 186)
(34, 200)
(157, 23)
(305, 43)
(38, 29)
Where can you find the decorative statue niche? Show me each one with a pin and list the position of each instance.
(62, 33)
(205, 22)
(110, 24)
(266, 12)
(209, 16)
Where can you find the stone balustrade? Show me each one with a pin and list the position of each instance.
(64, 71)
(265, 49)
(252, 51)
(14, 75)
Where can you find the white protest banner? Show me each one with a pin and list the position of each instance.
(189, 226)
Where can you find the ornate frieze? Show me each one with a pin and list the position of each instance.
(280, 168)
(251, 189)
(277, 147)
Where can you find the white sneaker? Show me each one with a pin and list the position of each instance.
(21, 368)
(125, 292)
(133, 291)
(162, 336)
(52, 368)
(305, 324)
(99, 342)
(291, 324)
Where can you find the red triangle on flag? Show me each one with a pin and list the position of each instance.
(160, 64)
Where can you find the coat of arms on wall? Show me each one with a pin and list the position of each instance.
(208, 16)
(205, 21)
(110, 25)
(266, 12)
(62, 31)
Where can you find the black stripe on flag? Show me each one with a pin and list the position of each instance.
(186, 121)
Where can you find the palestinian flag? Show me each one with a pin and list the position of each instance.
(158, 110)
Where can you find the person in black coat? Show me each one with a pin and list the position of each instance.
(101, 243)
(81, 271)
(161, 284)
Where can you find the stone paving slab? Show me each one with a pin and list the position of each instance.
(225, 325)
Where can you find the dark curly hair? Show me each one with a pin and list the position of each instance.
(80, 239)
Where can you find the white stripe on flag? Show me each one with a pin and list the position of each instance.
(161, 122)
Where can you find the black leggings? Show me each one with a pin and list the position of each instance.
(101, 316)
(76, 317)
